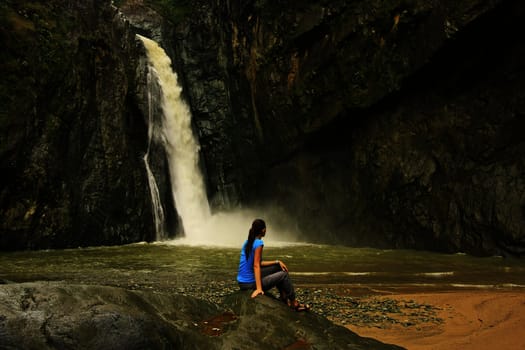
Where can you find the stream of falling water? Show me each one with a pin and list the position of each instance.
(158, 211)
(188, 189)
(181, 146)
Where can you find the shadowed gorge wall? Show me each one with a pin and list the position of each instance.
(392, 124)
(72, 138)
(438, 165)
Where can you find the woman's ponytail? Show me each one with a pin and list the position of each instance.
(257, 226)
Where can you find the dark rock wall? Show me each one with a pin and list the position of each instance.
(379, 123)
(438, 165)
(219, 95)
(72, 137)
(390, 124)
(445, 162)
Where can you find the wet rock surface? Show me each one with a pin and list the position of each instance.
(56, 315)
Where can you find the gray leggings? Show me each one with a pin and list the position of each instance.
(273, 276)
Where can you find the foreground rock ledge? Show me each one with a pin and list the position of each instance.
(54, 315)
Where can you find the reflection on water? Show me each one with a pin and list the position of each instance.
(174, 267)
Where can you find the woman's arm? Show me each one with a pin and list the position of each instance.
(274, 262)
(257, 272)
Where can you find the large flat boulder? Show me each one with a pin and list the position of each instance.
(54, 315)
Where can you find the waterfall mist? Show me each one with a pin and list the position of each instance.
(188, 188)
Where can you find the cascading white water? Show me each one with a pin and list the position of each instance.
(158, 211)
(181, 146)
(189, 194)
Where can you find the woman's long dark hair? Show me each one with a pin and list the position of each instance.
(257, 226)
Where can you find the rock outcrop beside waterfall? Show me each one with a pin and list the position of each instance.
(381, 123)
(44, 315)
(72, 134)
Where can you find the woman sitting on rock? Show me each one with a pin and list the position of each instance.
(259, 275)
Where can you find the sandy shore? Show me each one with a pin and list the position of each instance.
(480, 320)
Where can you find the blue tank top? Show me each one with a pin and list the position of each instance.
(246, 274)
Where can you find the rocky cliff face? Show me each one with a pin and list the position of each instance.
(391, 124)
(438, 165)
(381, 123)
(72, 136)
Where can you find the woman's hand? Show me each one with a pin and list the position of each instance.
(283, 266)
(257, 292)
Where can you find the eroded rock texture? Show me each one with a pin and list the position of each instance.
(43, 315)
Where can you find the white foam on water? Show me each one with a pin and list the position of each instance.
(436, 274)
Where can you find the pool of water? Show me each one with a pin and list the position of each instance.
(175, 267)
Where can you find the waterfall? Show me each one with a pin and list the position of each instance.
(188, 190)
(182, 148)
(158, 211)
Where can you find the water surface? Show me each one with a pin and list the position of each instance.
(210, 272)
